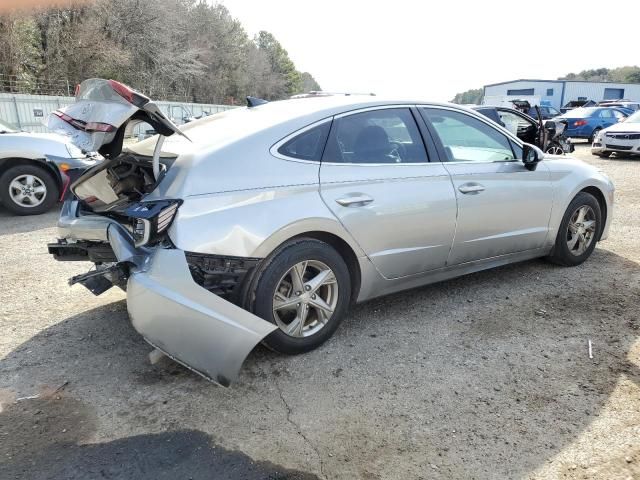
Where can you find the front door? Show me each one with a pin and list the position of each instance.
(503, 208)
(376, 178)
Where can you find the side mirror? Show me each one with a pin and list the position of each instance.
(531, 155)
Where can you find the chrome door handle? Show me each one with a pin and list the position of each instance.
(354, 200)
(472, 188)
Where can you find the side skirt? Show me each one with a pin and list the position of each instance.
(379, 286)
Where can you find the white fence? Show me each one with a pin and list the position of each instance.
(28, 112)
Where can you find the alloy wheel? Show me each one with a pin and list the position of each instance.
(581, 230)
(27, 190)
(305, 298)
(555, 150)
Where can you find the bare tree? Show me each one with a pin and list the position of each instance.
(188, 49)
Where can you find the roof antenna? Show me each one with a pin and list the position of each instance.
(254, 101)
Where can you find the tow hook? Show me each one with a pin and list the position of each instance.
(102, 279)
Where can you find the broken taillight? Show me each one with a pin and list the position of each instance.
(151, 219)
(129, 94)
(84, 126)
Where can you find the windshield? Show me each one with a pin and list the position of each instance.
(5, 128)
(635, 118)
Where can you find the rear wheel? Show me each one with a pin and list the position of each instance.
(578, 232)
(594, 135)
(304, 289)
(28, 190)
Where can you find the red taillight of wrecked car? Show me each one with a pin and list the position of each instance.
(87, 127)
(128, 94)
(580, 123)
(122, 90)
(99, 127)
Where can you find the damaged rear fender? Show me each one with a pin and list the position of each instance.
(188, 323)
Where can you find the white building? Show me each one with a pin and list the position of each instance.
(557, 93)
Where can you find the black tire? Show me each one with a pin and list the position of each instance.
(594, 134)
(561, 253)
(604, 154)
(42, 175)
(554, 149)
(269, 276)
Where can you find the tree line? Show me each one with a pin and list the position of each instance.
(629, 74)
(169, 49)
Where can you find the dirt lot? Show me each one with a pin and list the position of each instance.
(484, 377)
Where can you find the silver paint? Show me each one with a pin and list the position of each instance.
(407, 224)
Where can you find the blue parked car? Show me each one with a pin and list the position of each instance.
(587, 122)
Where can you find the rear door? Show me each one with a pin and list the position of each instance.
(607, 117)
(503, 208)
(376, 178)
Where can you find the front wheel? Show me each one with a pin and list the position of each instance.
(28, 190)
(578, 232)
(604, 154)
(305, 289)
(555, 149)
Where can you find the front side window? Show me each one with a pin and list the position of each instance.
(308, 145)
(467, 139)
(387, 135)
(619, 115)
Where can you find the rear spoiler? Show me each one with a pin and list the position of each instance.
(102, 112)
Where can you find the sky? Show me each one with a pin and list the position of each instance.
(434, 49)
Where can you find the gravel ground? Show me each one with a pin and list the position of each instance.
(487, 376)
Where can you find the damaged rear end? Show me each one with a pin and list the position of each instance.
(113, 224)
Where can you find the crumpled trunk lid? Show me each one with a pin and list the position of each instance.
(103, 110)
(98, 121)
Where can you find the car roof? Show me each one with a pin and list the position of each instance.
(279, 117)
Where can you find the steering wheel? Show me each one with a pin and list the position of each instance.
(398, 152)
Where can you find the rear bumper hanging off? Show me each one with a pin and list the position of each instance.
(167, 307)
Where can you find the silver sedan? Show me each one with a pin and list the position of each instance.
(265, 223)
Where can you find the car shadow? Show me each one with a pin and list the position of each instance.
(624, 157)
(48, 438)
(486, 376)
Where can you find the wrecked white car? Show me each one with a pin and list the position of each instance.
(265, 223)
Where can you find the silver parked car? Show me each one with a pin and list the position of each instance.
(37, 168)
(265, 223)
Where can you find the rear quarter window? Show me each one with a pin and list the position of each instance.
(307, 145)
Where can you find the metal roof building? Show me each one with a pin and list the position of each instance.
(558, 92)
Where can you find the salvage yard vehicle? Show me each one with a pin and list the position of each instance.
(588, 122)
(577, 104)
(265, 223)
(36, 169)
(548, 135)
(622, 138)
(625, 104)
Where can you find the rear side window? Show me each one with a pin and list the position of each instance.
(388, 135)
(308, 145)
